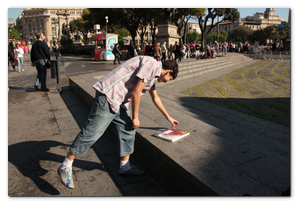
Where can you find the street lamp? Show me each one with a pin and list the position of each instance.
(106, 22)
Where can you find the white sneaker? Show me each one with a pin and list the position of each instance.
(66, 177)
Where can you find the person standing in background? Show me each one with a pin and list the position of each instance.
(19, 55)
(117, 53)
(157, 52)
(164, 51)
(40, 54)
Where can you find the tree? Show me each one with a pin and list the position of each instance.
(186, 15)
(193, 37)
(14, 34)
(270, 32)
(224, 14)
(241, 33)
(213, 36)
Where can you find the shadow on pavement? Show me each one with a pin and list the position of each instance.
(26, 156)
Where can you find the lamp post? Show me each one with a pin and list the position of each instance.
(106, 17)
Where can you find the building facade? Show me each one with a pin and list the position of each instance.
(255, 22)
(51, 21)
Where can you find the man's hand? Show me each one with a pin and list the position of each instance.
(135, 123)
(174, 122)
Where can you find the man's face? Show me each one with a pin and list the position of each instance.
(165, 77)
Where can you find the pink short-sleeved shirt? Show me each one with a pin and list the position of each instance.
(119, 83)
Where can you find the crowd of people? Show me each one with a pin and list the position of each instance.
(39, 57)
(16, 55)
(180, 51)
(176, 51)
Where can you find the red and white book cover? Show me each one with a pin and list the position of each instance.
(171, 134)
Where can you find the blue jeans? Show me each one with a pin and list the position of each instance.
(224, 50)
(98, 120)
(41, 73)
(20, 63)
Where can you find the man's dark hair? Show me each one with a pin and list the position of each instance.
(171, 65)
(38, 35)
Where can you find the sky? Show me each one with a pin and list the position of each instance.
(244, 12)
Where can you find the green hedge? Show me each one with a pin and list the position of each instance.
(78, 50)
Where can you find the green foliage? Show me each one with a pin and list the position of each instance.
(193, 37)
(122, 32)
(241, 33)
(211, 15)
(213, 36)
(270, 32)
(14, 34)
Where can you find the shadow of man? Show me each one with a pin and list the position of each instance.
(26, 156)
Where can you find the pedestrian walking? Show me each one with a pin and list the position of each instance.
(216, 47)
(171, 52)
(177, 51)
(40, 54)
(19, 55)
(114, 92)
(25, 51)
(224, 48)
(157, 52)
(131, 51)
(56, 51)
(117, 53)
(149, 49)
(164, 51)
(197, 49)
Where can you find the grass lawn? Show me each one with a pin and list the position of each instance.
(261, 89)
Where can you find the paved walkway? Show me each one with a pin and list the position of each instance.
(41, 127)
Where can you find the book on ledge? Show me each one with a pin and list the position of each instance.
(171, 134)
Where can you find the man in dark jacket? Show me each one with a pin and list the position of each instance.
(117, 53)
(40, 54)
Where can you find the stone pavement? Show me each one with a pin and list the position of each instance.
(227, 153)
(41, 127)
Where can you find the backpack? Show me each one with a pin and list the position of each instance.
(174, 48)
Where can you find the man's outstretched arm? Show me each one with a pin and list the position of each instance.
(157, 102)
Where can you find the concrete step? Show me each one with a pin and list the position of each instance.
(192, 68)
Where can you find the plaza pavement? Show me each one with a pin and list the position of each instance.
(227, 153)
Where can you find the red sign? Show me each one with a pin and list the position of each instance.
(100, 54)
(100, 36)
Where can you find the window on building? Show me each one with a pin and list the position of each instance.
(78, 12)
(52, 12)
(53, 29)
(72, 18)
(42, 24)
(38, 24)
(29, 25)
(38, 20)
(33, 20)
(72, 12)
